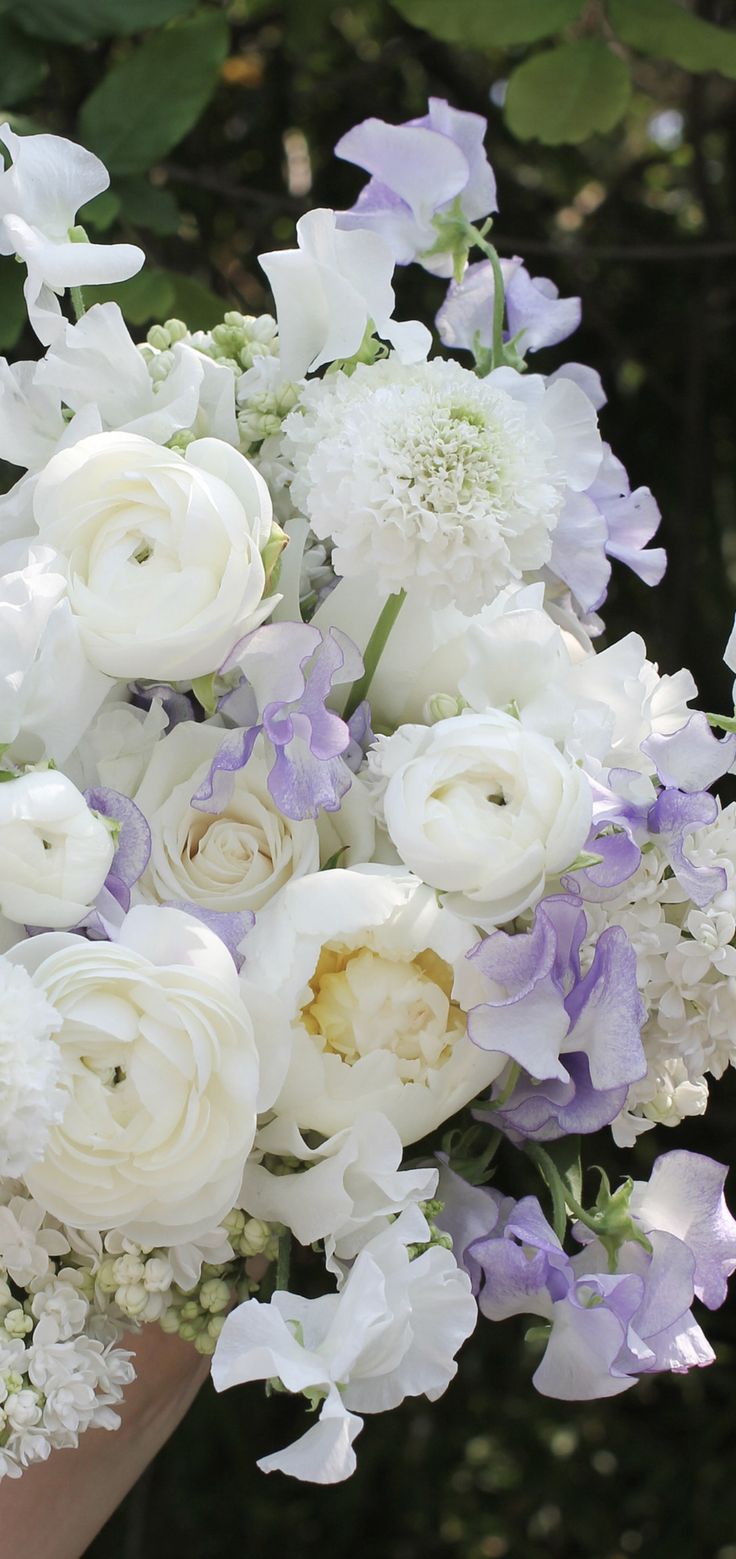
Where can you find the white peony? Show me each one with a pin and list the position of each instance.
(160, 1072)
(55, 853)
(161, 551)
(30, 1101)
(483, 809)
(236, 859)
(432, 480)
(365, 977)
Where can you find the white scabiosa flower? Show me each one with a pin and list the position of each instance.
(432, 480)
(30, 1101)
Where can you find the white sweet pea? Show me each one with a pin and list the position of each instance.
(365, 978)
(40, 194)
(392, 1332)
(117, 746)
(482, 809)
(161, 551)
(232, 860)
(329, 290)
(54, 852)
(349, 1190)
(160, 1072)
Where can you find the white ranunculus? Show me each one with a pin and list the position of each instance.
(160, 1072)
(365, 978)
(54, 852)
(483, 809)
(161, 551)
(232, 860)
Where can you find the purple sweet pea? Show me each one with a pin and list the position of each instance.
(607, 1328)
(419, 170)
(692, 758)
(133, 847)
(607, 521)
(674, 816)
(684, 1197)
(232, 926)
(671, 817)
(544, 1111)
(541, 1006)
(536, 315)
(289, 671)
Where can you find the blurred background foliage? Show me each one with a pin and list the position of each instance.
(612, 130)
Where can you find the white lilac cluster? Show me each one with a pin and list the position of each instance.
(335, 860)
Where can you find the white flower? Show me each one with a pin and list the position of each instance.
(117, 746)
(25, 1246)
(55, 853)
(329, 290)
(160, 1071)
(366, 978)
(432, 480)
(39, 710)
(161, 552)
(392, 1332)
(483, 809)
(351, 1186)
(30, 1101)
(40, 194)
(236, 859)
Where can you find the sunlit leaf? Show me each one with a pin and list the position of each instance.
(662, 28)
(568, 93)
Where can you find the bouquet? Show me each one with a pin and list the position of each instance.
(346, 889)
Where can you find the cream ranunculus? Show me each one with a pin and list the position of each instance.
(235, 859)
(55, 853)
(162, 551)
(160, 1071)
(366, 978)
(482, 809)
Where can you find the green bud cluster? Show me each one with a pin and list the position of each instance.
(431, 1210)
(242, 338)
(261, 414)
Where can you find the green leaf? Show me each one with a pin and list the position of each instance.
(101, 212)
(22, 66)
(662, 28)
(193, 302)
(567, 93)
(565, 1155)
(147, 296)
(81, 21)
(148, 102)
(12, 303)
(147, 206)
(489, 24)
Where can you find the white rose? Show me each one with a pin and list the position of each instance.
(160, 1071)
(54, 852)
(482, 809)
(365, 977)
(235, 859)
(162, 551)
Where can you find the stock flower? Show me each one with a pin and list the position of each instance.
(232, 860)
(327, 293)
(160, 1075)
(161, 551)
(364, 980)
(40, 194)
(431, 480)
(482, 809)
(428, 167)
(55, 853)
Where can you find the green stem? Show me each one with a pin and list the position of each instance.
(561, 1194)
(498, 353)
(283, 1260)
(374, 650)
(78, 304)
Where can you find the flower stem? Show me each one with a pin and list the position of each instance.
(498, 353)
(283, 1260)
(374, 650)
(78, 304)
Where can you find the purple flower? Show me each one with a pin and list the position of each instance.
(607, 521)
(606, 1328)
(542, 1006)
(674, 816)
(230, 925)
(692, 758)
(176, 706)
(419, 170)
(133, 846)
(684, 1197)
(536, 315)
(671, 818)
(544, 1111)
(289, 670)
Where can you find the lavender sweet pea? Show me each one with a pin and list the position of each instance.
(419, 171)
(672, 817)
(607, 521)
(536, 315)
(541, 1006)
(133, 844)
(288, 670)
